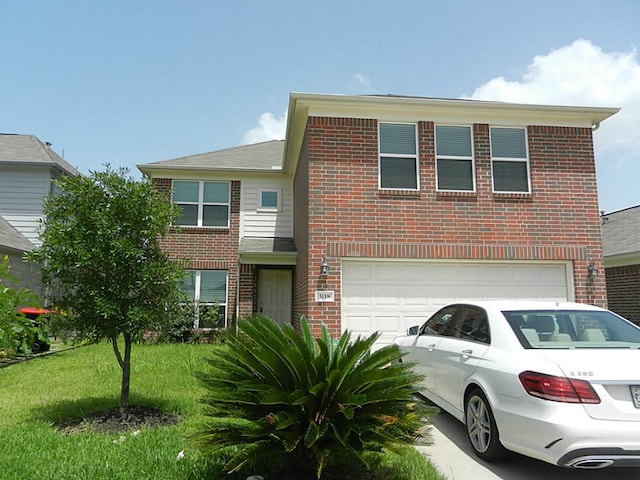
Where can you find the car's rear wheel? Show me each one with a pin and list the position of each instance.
(481, 427)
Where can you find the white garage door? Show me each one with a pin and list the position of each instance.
(390, 296)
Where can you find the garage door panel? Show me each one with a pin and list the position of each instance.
(391, 296)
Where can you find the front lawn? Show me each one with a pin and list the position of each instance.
(39, 394)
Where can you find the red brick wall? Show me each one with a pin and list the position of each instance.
(348, 215)
(207, 248)
(623, 291)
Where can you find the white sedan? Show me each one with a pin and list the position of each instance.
(559, 382)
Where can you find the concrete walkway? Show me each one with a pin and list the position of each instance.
(452, 461)
(451, 453)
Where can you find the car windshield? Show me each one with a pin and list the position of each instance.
(572, 329)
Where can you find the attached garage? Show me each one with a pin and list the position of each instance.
(390, 296)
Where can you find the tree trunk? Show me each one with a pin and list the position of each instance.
(125, 366)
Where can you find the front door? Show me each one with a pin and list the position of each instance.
(274, 294)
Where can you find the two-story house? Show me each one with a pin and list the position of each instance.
(27, 170)
(621, 243)
(377, 210)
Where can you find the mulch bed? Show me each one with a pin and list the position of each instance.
(118, 421)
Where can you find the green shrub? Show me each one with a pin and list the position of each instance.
(178, 327)
(276, 397)
(18, 334)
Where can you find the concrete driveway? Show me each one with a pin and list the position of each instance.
(453, 456)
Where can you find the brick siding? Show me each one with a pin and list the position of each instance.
(346, 214)
(623, 291)
(208, 248)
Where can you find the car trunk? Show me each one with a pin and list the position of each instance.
(613, 372)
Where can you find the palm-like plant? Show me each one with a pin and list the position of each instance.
(274, 395)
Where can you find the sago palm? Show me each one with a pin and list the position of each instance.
(276, 395)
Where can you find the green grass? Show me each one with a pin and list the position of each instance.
(36, 394)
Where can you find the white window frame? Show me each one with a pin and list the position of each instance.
(197, 280)
(201, 203)
(415, 157)
(278, 207)
(470, 158)
(525, 160)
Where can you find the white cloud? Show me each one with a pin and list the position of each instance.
(365, 83)
(580, 74)
(269, 127)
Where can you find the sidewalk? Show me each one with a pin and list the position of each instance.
(452, 462)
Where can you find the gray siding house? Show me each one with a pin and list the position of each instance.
(621, 244)
(27, 170)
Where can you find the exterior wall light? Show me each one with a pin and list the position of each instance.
(324, 267)
(591, 271)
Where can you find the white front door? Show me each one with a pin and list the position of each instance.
(274, 294)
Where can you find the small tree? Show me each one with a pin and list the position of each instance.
(102, 260)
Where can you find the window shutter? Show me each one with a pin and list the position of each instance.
(455, 175)
(510, 177)
(454, 141)
(397, 139)
(508, 143)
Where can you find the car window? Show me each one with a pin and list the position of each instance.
(573, 329)
(471, 323)
(440, 322)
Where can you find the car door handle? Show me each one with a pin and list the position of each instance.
(431, 347)
(467, 353)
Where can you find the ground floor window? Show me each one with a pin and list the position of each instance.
(207, 290)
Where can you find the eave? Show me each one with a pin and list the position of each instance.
(413, 109)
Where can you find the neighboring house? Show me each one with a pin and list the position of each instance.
(377, 210)
(14, 245)
(27, 169)
(621, 242)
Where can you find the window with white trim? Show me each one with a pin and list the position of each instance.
(203, 204)
(207, 290)
(454, 158)
(269, 200)
(398, 167)
(509, 160)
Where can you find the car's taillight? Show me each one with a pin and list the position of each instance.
(558, 389)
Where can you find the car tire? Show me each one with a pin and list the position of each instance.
(482, 430)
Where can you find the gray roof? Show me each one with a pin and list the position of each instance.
(11, 238)
(29, 150)
(621, 232)
(257, 156)
(267, 245)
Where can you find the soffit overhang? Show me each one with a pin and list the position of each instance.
(413, 109)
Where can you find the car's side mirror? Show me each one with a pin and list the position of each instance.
(413, 330)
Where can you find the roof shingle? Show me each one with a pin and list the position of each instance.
(621, 232)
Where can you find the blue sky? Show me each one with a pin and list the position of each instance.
(130, 82)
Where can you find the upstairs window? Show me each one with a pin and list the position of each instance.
(398, 156)
(203, 204)
(269, 200)
(509, 160)
(454, 158)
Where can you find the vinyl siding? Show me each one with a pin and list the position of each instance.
(266, 224)
(22, 191)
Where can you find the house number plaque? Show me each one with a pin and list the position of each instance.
(325, 296)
